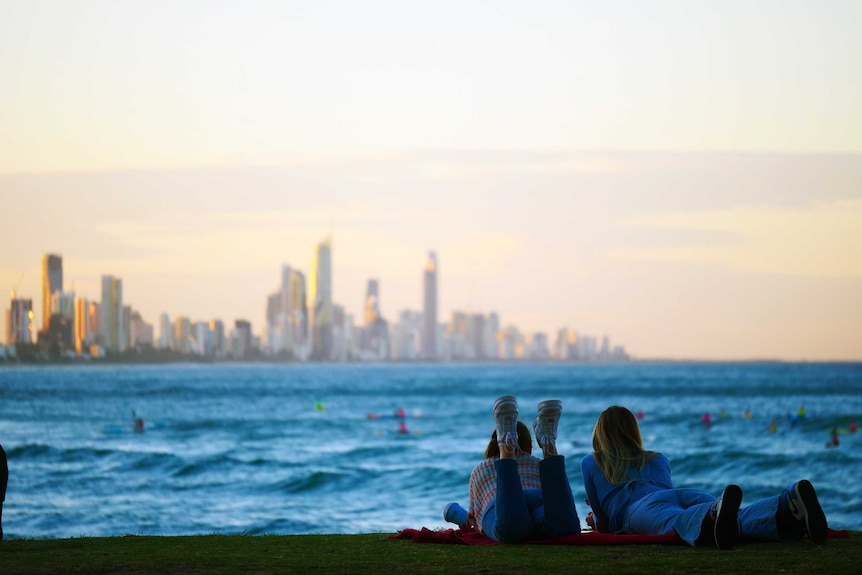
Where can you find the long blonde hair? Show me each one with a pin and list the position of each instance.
(617, 444)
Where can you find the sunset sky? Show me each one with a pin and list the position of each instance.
(685, 177)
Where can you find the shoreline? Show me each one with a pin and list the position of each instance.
(145, 361)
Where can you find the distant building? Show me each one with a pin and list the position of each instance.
(94, 321)
(344, 344)
(320, 302)
(537, 347)
(298, 314)
(287, 316)
(492, 326)
(374, 339)
(407, 336)
(111, 315)
(166, 332)
(60, 335)
(82, 326)
(182, 335)
(565, 346)
(52, 281)
(141, 332)
(202, 337)
(219, 342)
(63, 303)
(241, 340)
(605, 351)
(429, 308)
(19, 321)
(126, 329)
(511, 343)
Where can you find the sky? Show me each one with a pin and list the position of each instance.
(683, 177)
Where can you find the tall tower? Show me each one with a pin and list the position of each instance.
(429, 309)
(298, 308)
(52, 281)
(320, 301)
(372, 302)
(284, 308)
(111, 314)
(82, 334)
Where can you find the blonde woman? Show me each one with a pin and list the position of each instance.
(630, 491)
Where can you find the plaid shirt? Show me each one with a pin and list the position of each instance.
(483, 483)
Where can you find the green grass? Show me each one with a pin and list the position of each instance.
(375, 553)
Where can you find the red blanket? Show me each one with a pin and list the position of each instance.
(472, 537)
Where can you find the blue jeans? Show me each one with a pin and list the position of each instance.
(519, 514)
(682, 511)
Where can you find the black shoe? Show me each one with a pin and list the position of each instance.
(803, 505)
(726, 529)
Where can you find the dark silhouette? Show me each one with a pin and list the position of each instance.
(4, 479)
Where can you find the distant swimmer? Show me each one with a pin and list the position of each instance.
(722, 414)
(402, 423)
(801, 412)
(137, 423)
(319, 406)
(853, 427)
(834, 441)
(706, 419)
(773, 427)
(640, 415)
(746, 414)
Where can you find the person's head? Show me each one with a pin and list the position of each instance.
(525, 442)
(617, 443)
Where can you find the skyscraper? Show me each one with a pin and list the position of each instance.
(287, 315)
(320, 301)
(111, 314)
(82, 333)
(372, 305)
(298, 308)
(52, 281)
(19, 321)
(284, 315)
(166, 331)
(182, 335)
(374, 338)
(429, 309)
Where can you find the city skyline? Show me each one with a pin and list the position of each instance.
(683, 177)
(296, 327)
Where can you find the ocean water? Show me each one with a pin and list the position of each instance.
(290, 449)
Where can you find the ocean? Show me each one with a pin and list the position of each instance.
(294, 449)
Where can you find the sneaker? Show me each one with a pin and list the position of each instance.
(803, 505)
(545, 424)
(454, 513)
(506, 420)
(726, 530)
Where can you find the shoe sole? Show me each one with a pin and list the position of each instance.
(726, 530)
(813, 518)
(506, 400)
(549, 407)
